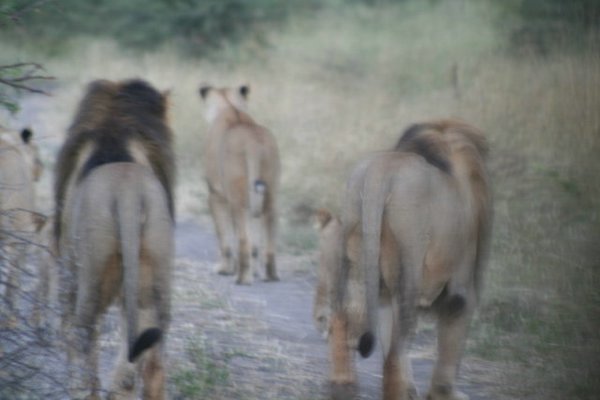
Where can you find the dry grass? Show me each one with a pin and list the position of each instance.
(338, 85)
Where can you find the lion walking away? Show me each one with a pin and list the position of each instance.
(114, 228)
(415, 236)
(20, 169)
(242, 169)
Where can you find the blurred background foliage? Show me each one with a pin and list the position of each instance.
(196, 25)
(199, 26)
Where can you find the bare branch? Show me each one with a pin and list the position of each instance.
(31, 77)
(22, 64)
(23, 87)
(18, 82)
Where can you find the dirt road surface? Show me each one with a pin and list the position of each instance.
(263, 334)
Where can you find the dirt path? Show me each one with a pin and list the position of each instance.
(263, 334)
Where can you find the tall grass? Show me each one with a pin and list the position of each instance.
(347, 81)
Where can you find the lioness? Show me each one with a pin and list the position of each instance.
(20, 168)
(114, 228)
(415, 232)
(241, 162)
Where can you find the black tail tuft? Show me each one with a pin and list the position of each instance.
(366, 344)
(147, 339)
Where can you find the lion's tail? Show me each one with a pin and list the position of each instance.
(257, 187)
(375, 187)
(129, 224)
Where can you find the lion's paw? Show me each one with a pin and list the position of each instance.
(271, 278)
(446, 392)
(344, 391)
(413, 393)
(246, 281)
(225, 271)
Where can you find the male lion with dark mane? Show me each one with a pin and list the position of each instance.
(114, 228)
(414, 234)
(242, 166)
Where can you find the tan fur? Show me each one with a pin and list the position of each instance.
(20, 168)
(415, 234)
(330, 254)
(241, 165)
(114, 229)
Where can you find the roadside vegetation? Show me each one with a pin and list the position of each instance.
(336, 80)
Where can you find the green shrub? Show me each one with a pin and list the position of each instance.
(538, 25)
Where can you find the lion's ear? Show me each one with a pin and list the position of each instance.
(323, 217)
(204, 89)
(26, 135)
(244, 91)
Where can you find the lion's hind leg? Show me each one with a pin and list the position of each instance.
(83, 348)
(153, 374)
(151, 362)
(98, 282)
(454, 315)
(343, 373)
(270, 222)
(225, 233)
(96, 288)
(241, 217)
(255, 239)
(124, 380)
(149, 365)
(395, 332)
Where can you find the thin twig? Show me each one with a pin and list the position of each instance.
(26, 76)
(30, 77)
(22, 87)
(22, 64)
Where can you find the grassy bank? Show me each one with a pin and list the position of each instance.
(347, 81)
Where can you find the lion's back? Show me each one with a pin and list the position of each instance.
(116, 122)
(228, 152)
